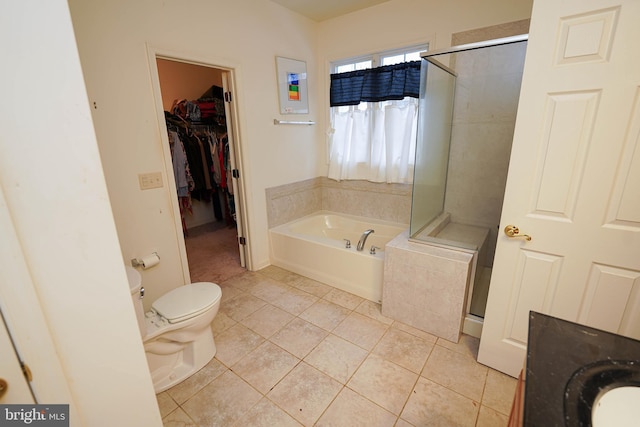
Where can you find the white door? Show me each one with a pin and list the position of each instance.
(13, 384)
(231, 121)
(574, 180)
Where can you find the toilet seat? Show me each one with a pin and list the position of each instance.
(187, 301)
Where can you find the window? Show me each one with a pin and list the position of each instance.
(374, 141)
(379, 59)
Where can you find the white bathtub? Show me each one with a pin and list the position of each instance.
(314, 247)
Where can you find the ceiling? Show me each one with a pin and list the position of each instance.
(319, 10)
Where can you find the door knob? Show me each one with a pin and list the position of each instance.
(513, 231)
(4, 385)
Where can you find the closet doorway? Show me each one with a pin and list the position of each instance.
(200, 156)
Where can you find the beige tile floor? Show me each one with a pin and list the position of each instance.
(295, 352)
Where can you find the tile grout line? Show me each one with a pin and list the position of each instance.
(387, 327)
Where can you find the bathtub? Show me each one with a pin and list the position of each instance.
(314, 247)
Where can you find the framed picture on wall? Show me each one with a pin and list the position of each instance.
(292, 86)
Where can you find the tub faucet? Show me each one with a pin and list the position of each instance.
(363, 239)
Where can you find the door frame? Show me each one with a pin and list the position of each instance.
(240, 201)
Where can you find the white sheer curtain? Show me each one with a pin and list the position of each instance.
(374, 141)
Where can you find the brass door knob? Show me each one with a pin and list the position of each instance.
(4, 385)
(513, 231)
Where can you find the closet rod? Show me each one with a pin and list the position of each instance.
(291, 122)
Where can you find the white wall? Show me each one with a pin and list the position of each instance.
(245, 35)
(399, 23)
(56, 196)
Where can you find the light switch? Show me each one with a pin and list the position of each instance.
(150, 180)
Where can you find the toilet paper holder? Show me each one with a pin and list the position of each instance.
(146, 262)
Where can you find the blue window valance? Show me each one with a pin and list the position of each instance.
(390, 82)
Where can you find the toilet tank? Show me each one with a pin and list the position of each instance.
(135, 286)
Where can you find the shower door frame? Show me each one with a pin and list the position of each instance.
(429, 56)
(473, 324)
(474, 46)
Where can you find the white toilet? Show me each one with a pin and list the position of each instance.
(176, 332)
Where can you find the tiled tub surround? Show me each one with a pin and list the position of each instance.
(295, 352)
(315, 247)
(387, 202)
(426, 284)
(423, 284)
(445, 233)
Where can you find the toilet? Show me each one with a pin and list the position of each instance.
(176, 332)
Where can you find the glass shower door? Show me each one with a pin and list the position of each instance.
(437, 87)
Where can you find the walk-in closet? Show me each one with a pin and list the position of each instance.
(196, 126)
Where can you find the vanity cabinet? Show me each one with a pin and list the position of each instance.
(568, 367)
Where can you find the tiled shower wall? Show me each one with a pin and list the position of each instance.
(485, 106)
(389, 202)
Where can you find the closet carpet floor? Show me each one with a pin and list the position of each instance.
(295, 352)
(212, 252)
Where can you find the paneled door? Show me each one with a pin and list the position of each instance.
(574, 180)
(13, 384)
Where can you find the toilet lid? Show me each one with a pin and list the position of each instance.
(187, 301)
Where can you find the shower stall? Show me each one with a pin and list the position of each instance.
(468, 104)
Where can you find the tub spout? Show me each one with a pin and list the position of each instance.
(363, 239)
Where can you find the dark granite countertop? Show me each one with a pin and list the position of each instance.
(568, 365)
